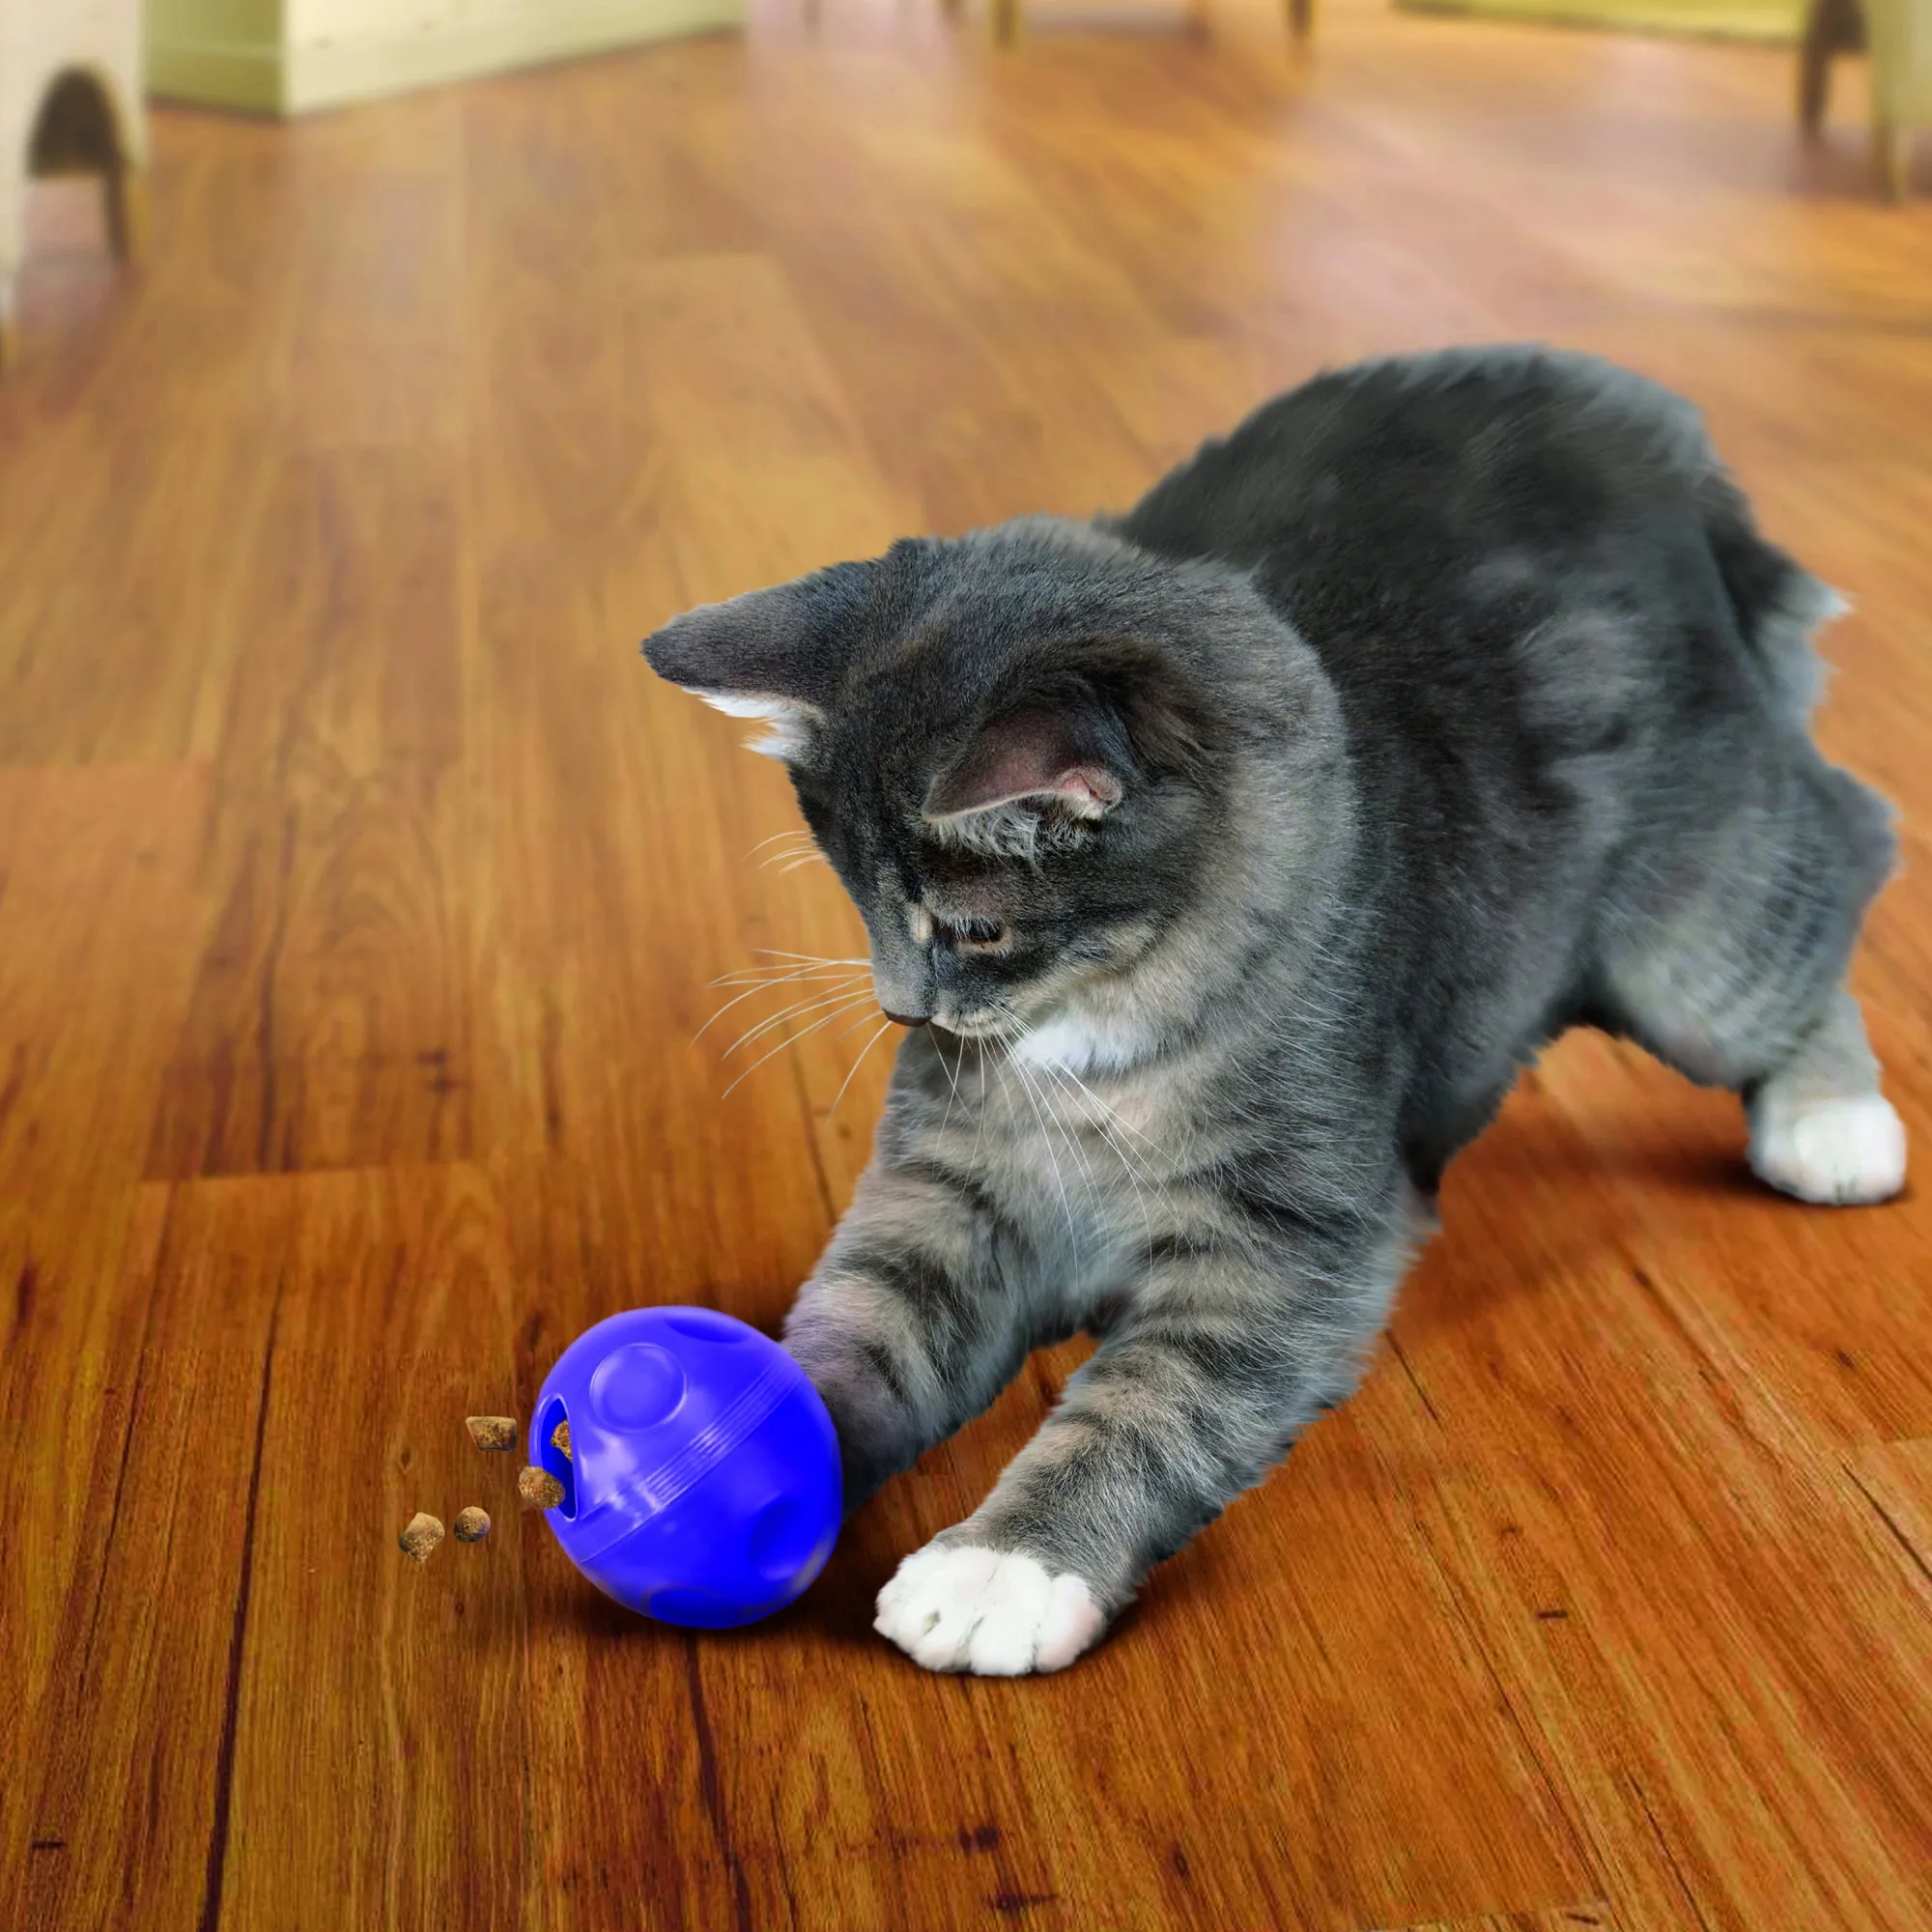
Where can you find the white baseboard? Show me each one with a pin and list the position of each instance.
(295, 79)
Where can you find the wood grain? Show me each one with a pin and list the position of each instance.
(361, 895)
(1593, 1915)
(100, 918)
(328, 1024)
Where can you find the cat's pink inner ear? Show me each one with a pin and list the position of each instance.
(1026, 753)
(1088, 787)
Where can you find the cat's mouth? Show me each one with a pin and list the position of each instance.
(977, 1026)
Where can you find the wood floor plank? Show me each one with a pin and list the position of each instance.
(377, 332)
(99, 909)
(1593, 1915)
(129, 1777)
(1894, 1480)
(379, 1726)
(91, 636)
(329, 1025)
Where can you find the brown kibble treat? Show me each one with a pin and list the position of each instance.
(539, 1488)
(473, 1524)
(492, 1432)
(560, 1436)
(421, 1535)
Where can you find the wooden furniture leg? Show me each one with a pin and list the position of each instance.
(1814, 74)
(1891, 158)
(126, 190)
(1832, 27)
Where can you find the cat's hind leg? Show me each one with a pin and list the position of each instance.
(1725, 954)
(1820, 1128)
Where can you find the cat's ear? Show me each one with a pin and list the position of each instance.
(777, 655)
(1097, 723)
(1033, 760)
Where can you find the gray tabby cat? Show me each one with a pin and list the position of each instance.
(1240, 851)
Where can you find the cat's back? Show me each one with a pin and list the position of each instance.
(1408, 460)
(1509, 545)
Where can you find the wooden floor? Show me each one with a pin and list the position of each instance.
(359, 893)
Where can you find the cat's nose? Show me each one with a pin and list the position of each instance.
(904, 1019)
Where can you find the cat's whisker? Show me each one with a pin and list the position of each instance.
(790, 831)
(856, 1064)
(1046, 1140)
(808, 958)
(1074, 1147)
(766, 986)
(775, 975)
(1044, 1110)
(1044, 1064)
(803, 846)
(1111, 1115)
(952, 1076)
(1079, 1092)
(1105, 1121)
(796, 1011)
(777, 968)
(1051, 1067)
(1104, 1128)
(793, 1039)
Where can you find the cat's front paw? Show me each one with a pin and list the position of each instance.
(961, 1606)
(1832, 1152)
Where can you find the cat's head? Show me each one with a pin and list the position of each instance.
(1007, 745)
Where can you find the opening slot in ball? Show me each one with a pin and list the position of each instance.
(553, 1458)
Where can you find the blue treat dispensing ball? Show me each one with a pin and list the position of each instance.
(703, 1485)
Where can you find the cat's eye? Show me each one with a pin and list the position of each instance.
(970, 934)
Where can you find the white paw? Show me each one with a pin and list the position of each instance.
(1836, 1152)
(993, 1612)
